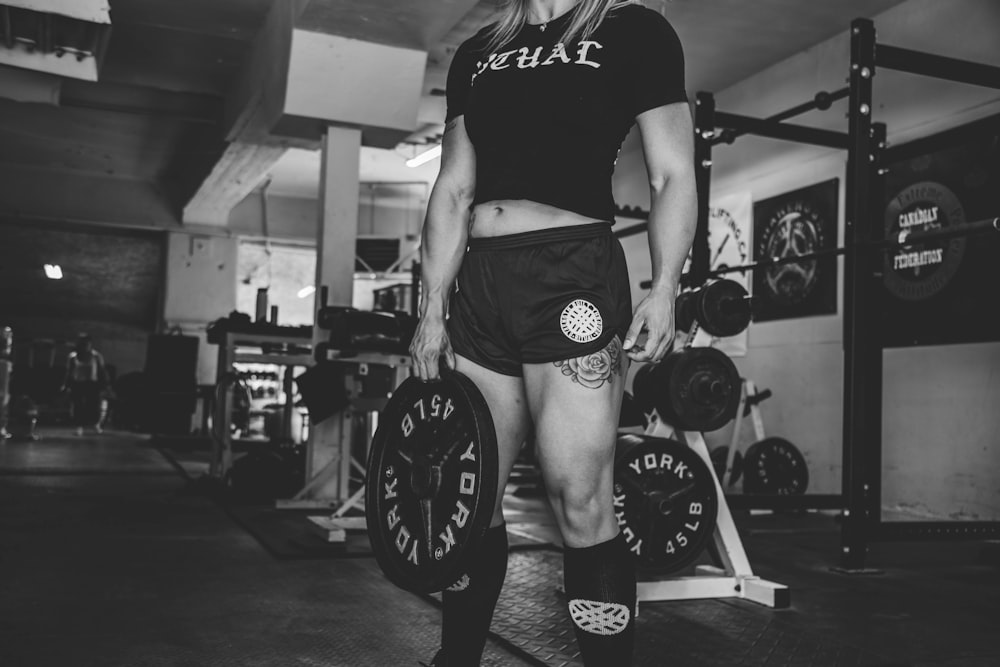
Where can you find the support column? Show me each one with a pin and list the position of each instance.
(704, 131)
(862, 289)
(330, 440)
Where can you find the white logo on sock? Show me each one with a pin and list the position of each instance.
(599, 618)
(581, 321)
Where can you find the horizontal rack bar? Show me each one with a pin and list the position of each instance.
(784, 131)
(902, 531)
(939, 67)
(809, 501)
(822, 101)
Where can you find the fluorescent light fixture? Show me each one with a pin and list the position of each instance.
(431, 153)
(308, 290)
(53, 272)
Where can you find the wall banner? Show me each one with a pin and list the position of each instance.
(791, 224)
(943, 292)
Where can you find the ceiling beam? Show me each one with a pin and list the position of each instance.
(240, 169)
(297, 82)
(309, 69)
(414, 25)
(230, 19)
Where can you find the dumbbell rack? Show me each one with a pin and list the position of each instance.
(735, 579)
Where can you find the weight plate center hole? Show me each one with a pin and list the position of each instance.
(707, 388)
(425, 478)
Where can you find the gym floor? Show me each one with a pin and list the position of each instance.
(114, 555)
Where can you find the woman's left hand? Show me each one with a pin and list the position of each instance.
(655, 316)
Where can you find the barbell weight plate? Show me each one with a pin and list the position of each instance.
(723, 308)
(774, 466)
(719, 457)
(431, 481)
(702, 389)
(685, 310)
(664, 500)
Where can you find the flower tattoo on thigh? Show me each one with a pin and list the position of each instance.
(596, 369)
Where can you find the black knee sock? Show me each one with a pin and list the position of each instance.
(469, 604)
(600, 591)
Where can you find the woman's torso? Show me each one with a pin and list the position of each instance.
(512, 216)
(547, 122)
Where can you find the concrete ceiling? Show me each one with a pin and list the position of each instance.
(193, 46)
(158, 106)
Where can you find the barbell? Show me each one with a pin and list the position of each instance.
(901, 239)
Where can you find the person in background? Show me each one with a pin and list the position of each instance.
(86, 376)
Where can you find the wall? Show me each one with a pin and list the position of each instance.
(941, 440)
(200, 288)
(284, 270)
(202, 269)
(91, 257)
(295, 218)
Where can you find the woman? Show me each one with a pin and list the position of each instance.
(520, 217)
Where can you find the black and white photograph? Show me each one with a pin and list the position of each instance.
(501, 333)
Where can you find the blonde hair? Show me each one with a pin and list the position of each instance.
(513, 14)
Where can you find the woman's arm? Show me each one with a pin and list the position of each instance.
(444, 238)
(668, 146)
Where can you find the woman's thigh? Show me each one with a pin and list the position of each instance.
(508, 407)
(575, 405)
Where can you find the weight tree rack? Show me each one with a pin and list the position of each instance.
(864, 237)
(707, 121)
(863, 348)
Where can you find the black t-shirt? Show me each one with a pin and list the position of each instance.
(547, 120)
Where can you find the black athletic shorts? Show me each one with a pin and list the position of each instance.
(540, 296)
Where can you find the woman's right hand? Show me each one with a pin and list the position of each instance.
(430, 343)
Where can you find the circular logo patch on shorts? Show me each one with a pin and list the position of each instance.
(581, 321)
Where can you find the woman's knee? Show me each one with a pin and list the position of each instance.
(581, 510)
